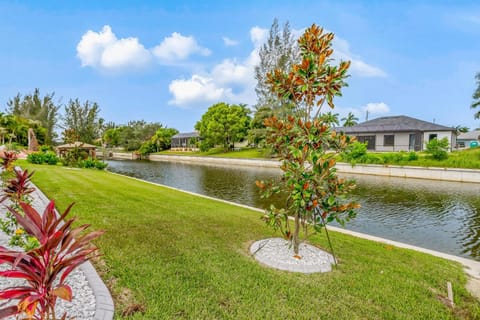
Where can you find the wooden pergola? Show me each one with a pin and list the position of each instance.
(89, 148)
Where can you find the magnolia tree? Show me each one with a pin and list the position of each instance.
(307, 145)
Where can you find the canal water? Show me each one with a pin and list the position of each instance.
(443, 216)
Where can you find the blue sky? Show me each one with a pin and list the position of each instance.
(168, 61)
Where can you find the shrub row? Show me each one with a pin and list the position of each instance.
(43, 157)
(51, 159)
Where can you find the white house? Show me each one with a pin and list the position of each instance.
(399, 133)
(468, 139)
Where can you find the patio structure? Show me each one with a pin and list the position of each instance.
(63, 149)
(185, 141)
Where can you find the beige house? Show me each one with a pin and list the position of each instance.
(399, 133)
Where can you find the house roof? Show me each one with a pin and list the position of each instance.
(77, 144)
(471, 135)
(186, 135)
(394, 124)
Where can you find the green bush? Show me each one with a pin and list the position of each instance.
(356, 152)
(90, 163)
(45, 149)
(398, 157)
(438, 148)
(205, 146)
(100, 165)
(74, 157)
(147, 147)
(50, 158)
(36, 158)
(412, 156)
(43, 157)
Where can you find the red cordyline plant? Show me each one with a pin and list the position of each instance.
(8, 158)
(307, 145)
(16, 190)
(19, 187)
(44, 269)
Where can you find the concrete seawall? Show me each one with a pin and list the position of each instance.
(213, 160)
(445, 174)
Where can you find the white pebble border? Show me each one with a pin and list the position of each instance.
(278, 253)
(91, 298)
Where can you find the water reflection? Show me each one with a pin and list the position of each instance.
(443, 216)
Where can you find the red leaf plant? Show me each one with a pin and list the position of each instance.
(8, 158)
(18, 187)
(17, 190)
(44, 269)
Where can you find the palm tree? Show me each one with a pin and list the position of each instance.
(330, 118)
(350, 120)
(460, 129)
(476, 97)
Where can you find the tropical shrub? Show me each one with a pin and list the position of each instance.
(412, 156)
(73, 157)
(47, 157)
(50, 158)
(147, 147)
(438, 149)
(36, 157)
(205, 145)
(17, 190)
(8, 158)
(62, 248)
(355, 151)
(91, 163)
(306, 144)
(45, 149)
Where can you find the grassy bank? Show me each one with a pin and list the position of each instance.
(247, 153)
(466, 159)
(171, 255)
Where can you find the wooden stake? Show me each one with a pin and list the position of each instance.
(450, 294)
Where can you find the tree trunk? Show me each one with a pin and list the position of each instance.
(296, 231)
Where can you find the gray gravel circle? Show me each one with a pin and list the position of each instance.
(278, 253)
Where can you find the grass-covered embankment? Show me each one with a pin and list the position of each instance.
(245, 153)
(172, 255)
(465, 159)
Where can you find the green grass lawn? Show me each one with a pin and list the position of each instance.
(171, 255)
(466, 159)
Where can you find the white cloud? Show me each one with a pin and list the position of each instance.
(258, 36)
(125, 53)
(358, 66)
(233, 80)
(103, 50)
(197, 89)
(91, 46)
(229, 42)
(231, 71)
(376, 108)
(178, 47)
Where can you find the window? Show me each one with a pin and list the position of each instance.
(388, 140)
(432, 136)
(370, 140)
